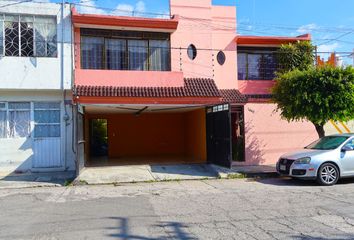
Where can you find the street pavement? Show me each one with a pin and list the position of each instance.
(203, 209)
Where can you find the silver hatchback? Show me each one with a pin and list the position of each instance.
(326, 160)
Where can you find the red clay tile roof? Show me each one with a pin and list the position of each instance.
(193, 87)
(232, 96)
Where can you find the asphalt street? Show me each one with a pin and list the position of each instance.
(210, 209)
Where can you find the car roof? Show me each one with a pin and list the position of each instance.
(342, 134)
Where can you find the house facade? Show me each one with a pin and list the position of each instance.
(35, 87)
(157, 90)
(267, 135)
(183, 89)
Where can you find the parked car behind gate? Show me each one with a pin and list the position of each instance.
(326, 160)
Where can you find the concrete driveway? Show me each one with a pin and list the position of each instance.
(146, 173)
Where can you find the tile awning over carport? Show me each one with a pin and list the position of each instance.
(232, 96)
(193, 87)
(203, 89)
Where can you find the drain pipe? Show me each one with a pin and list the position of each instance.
(66, 116)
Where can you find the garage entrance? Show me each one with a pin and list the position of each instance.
(144, 135)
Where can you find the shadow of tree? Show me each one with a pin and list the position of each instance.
(291, 182)
(174, 230)
(254, 147)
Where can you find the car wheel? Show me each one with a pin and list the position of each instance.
(328, 174)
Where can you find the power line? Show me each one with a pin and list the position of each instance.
(313, 29)
(337, 38)
(204, 22)
(15, 3)
(121, 10)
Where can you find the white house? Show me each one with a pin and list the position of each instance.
(35, 87)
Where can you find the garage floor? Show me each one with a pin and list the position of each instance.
(146, 173)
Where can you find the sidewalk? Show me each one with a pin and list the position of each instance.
(133, 174)
(27, 180)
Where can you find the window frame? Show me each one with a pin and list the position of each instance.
(9, 110)
(46, 124)
(125, 36)
(262, 51)
(32, 122)
(18, 19)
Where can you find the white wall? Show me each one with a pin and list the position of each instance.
(17, 153)
(39, 72)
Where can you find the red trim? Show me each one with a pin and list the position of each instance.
(126, 100)
(134, 22)
(270, 40)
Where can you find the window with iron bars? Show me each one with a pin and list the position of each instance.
(124, 50)
(28, 36)
(256, 63)
(16, 118)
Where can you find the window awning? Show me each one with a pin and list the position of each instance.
(194, 91)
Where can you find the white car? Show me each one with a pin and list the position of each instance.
(327, 160)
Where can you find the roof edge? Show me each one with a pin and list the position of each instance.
(270, 40)
(124, 21)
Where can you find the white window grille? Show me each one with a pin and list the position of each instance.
(46, 119)
(19, 119)
(15, 119)
(28, 36)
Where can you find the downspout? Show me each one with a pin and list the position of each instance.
(66, 116)
(73, 132)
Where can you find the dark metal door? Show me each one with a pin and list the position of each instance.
(80, 140)
(219, 135)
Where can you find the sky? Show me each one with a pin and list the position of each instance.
(330, 22)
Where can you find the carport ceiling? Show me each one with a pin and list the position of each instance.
(136, 109)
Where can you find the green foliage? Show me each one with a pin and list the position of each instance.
(297, 55)
(316, 94)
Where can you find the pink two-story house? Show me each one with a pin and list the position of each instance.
(172, 90)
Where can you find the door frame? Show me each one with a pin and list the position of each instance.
(62, 138)
(211, 158)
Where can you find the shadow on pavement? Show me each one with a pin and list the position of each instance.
(36, 179)
(344, 237)
(287, 181)
(174, 230)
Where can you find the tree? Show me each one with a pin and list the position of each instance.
(316, 94)
(297, 55)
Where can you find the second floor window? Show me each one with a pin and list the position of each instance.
(118, 50)
(256, 63)
(28, 36)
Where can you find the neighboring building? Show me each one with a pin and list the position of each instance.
(332, 60)
(35, 96)
(267, 135)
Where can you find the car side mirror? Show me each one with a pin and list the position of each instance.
(346, 148)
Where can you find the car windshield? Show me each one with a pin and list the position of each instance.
(327, 143)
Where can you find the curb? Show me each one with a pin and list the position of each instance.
(225, 173)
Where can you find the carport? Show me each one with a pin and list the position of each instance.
(142, 134)
(125, 126)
